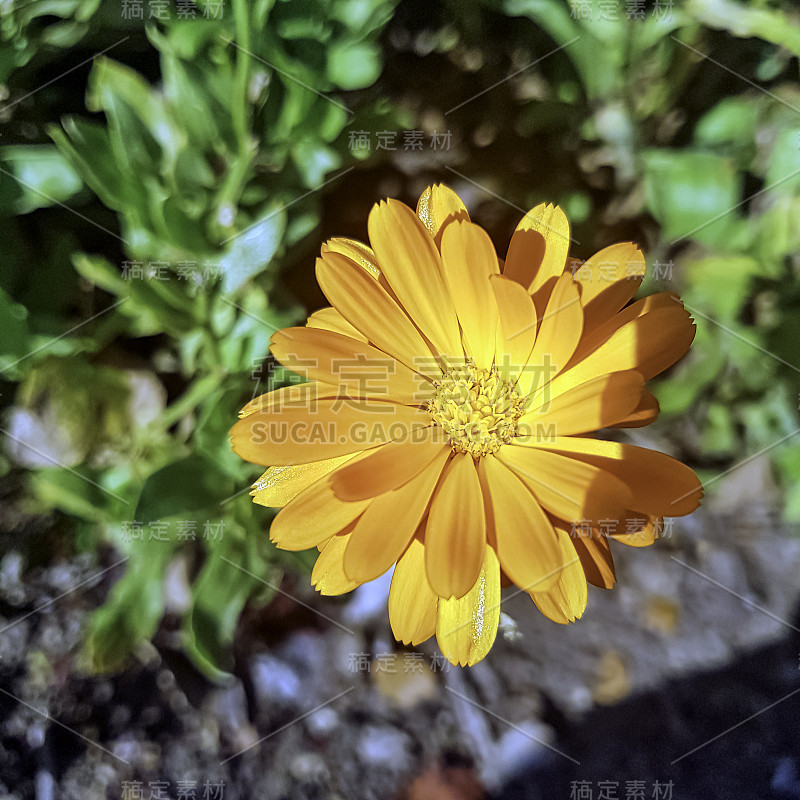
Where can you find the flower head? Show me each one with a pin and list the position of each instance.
(446, 428)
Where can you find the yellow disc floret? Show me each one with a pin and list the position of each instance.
(476, 408)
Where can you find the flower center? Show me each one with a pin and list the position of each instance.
(476, 408)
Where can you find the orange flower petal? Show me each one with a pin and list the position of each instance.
(646, 412)
(389, 466)
(412, 266)
(469, 259)
(412, 604)
(314, 431)
(365, 304)
(649, 344)
(438, 206)
(455, 536)
(661, 485)
(355, 368)
(313, 516)
(356, 251)
(467, 626)
(279, 485)
(527, 545)
(570, 489)
(525, 250)
(644, 529)
(294, 395)
(596, 559)
(589, 406)
(329, 319)
(328, 576)
(516, 332)
(386, 527)
(559, 333)
(608, 280)
(566, 600)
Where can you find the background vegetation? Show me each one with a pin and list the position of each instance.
(166, 178)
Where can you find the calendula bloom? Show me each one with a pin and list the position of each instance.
(446, 428)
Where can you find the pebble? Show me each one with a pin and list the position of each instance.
(322, 723)
(275, 683)
(386, 748)
(309, 768)
(785, 779)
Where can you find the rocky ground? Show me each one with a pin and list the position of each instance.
(682, 682)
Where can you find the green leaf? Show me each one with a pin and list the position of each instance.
(788, 462)
(219, 595)
(42, 177)
(183, 487)
(354, 65)
(133, 608)
(692, 193)
(732, 121)
(721, 284)
(14, 334)
(252, 249)
(139, 119)
(746, 20)
(88, 147)
(314, 161)
(718, 434)
(784, 161)
(100, 272)
(70, 493)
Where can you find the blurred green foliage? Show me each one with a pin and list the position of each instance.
(144, 236)
(671, 103)
(211, 169)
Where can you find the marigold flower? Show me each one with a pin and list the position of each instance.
(447, 426)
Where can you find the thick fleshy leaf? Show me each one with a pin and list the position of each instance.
(469, 258)
(412, 602)
(661, 485)
(467, 626)
(566, 601)
(527, 545)
(438, 206)
(411, 264)
(386, 527)
(455, 536)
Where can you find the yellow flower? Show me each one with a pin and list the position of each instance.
(446, 428)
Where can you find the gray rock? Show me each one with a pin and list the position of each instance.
(384, 748)
(275, 683)
(322, 723)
